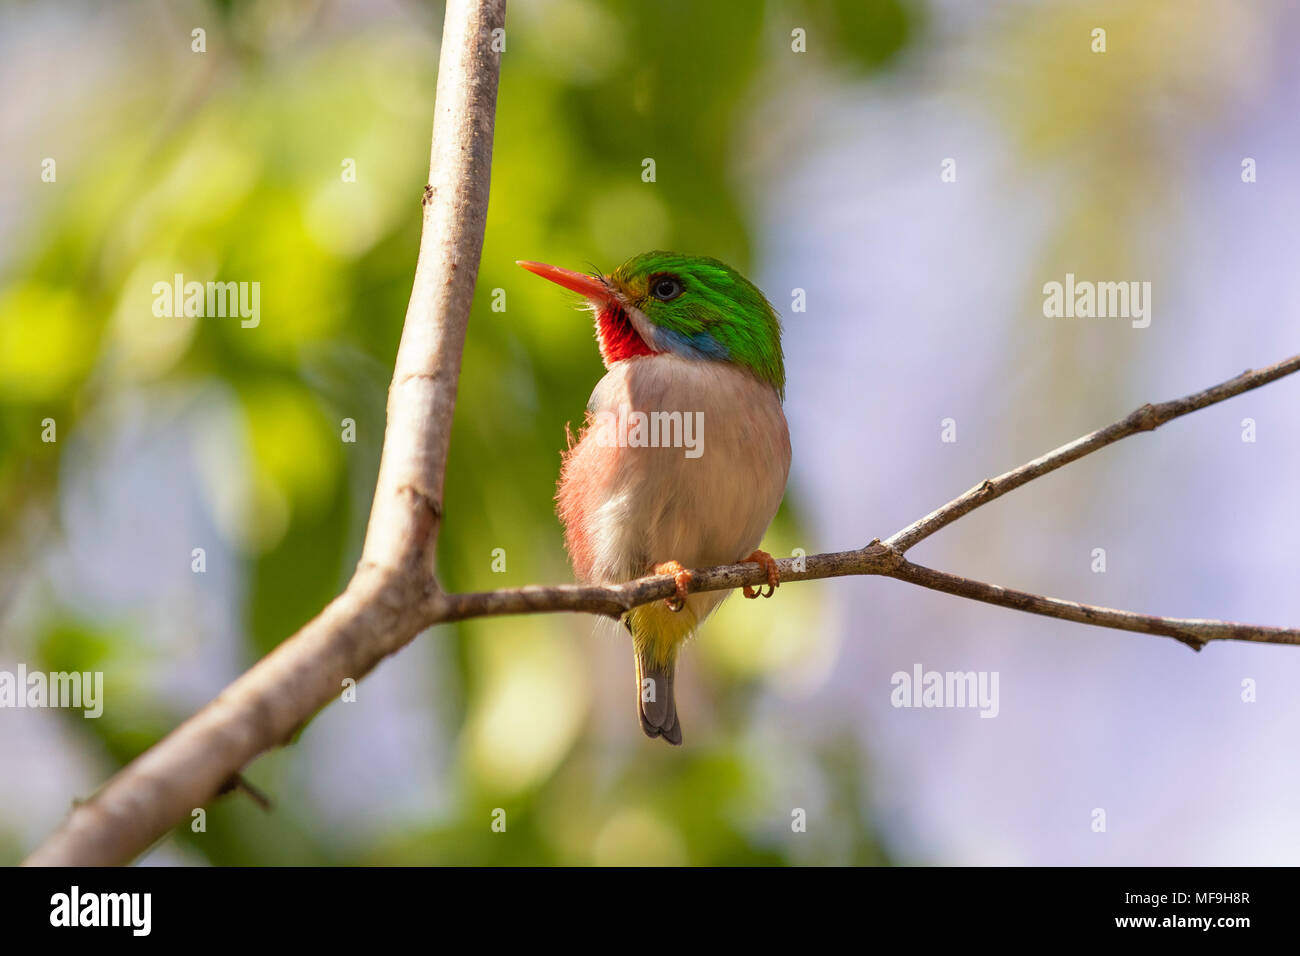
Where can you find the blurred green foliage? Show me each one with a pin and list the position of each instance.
(227, 167)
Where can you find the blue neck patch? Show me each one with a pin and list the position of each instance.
(701, 345)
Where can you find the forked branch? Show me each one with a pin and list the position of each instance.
(886, 557)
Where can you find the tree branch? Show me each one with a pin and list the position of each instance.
(1193, 632)
(1144, 419)
(387, 601)
(616, 599)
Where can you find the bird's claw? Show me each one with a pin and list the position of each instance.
(681, 577)
(768, 564)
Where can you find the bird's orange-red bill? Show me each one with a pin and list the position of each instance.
(578, 282)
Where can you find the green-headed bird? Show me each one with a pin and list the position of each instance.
(683, 459)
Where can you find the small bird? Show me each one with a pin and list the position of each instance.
(683, 458)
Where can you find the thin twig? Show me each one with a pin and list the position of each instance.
(1193, 632)
(877, 558)
(239, 783)
(1144, 419)
(616, 599)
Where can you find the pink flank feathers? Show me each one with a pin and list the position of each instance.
(587, 471)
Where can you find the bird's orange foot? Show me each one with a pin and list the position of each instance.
(681, 577)
(768, 564)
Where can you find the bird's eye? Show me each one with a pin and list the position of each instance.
(666, 288)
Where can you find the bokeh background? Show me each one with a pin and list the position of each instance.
(817, 170)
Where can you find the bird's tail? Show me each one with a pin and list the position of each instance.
(657, 636)
(655, 703)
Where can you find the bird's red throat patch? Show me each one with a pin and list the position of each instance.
(617, 336)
